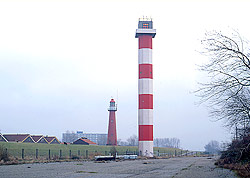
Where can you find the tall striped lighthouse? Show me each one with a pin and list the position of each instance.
(145, 33)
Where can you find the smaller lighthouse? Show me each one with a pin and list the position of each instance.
(112, 137)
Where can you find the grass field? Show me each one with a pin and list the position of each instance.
(82, 151)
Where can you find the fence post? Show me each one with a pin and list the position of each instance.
(181, 152)
(175, 154)
(22, 153)
(36, 153)
(79, 153)
(105, 153)
(6, 151)
(60, 154)
(87, 154)
(49, 153)
(69, 154)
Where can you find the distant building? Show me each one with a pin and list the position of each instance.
(99, 139)
(84, 141)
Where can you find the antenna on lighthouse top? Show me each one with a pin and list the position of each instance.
(117, 97)
(145, 18)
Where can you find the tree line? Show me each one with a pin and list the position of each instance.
(158, 142)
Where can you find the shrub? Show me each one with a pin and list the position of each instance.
(238, 151)
(3, 154)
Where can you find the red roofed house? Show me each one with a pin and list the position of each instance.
(52, 140)
(84, 141)
(23, 138)
(2, 139)
(39, 139)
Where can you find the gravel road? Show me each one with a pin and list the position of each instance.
(190, 167)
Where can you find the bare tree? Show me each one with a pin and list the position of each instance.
(167, 142)
(227, 90)
(132, 140)
(213, 147)
(69, 136)
(122, 143)
(235, 111)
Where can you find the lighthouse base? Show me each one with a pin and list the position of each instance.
(146, 148)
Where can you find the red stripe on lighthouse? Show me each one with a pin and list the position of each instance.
(145, 71)
(145, 132)
(145, 41)
(145, 101)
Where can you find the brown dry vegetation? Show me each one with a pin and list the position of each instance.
(237, 157)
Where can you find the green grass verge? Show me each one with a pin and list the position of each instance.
(15, 150)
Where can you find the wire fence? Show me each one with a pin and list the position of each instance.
(54, 154)
(39, 151)
(60, 154)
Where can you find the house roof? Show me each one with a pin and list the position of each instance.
(50, 139)
(1, 135)
(42, 140)
(16, 137)
(87, 141)
(23, 137)
(36, 138)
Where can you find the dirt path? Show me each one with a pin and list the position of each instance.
(173, 168)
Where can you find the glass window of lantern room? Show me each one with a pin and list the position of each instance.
(145, 25)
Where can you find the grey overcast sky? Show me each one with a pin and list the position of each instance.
(62, 61)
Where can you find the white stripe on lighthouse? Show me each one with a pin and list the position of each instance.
(146, 147)
(145, 86)
(145, 56)
(145, 116)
